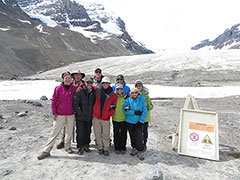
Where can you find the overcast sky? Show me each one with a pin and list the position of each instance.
(162, 24)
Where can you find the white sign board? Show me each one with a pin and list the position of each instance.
(198, 134)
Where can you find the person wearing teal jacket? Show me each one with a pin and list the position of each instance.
(119, 124)
(149, 105)
(136, 113)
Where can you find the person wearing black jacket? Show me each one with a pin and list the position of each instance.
(83, 102)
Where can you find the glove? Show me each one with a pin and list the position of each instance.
(112, 107)
(126, 108)
(126, 96)
(138, 113)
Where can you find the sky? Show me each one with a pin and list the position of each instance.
(175, 24)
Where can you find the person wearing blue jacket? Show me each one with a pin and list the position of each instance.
(136, 113)
(120, 80)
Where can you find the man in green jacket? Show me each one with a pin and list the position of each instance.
(149, 105)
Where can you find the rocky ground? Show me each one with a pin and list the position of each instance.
(22, 140)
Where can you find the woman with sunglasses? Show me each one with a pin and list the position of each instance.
(136, 113)
(83, 102)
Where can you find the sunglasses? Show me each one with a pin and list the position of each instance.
(119, 79)
(105, 83)
(134, 92)
(119, 88)
(89, 82)
(97, 71)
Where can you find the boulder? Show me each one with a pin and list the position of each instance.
(37, 104)
(44, 98)
(13, 128)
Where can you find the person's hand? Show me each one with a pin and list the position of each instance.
(138, 113)
(78, 89)
(145, 104)
(54, 117)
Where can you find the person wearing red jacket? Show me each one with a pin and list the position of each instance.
(103, 109)
(63, 113)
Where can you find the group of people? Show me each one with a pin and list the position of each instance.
(91, 101)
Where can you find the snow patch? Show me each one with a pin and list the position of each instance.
(40, 28)
(45, 19)
(4, 29)
(24, 21)
(14, 90)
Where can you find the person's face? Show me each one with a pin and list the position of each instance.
(67, 80)
(77, 77)
(119, 80)
(139, 86)
(105, 85)
(98, 74)
(134, 94)
(89, 84)
(119, 90)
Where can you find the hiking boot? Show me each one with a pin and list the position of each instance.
(43, 155)
(60, 145)
(86, 148)
(106, 153)
(80, 151)
(140, 155)
(117, 152)
(100, 151)
(69, 151)
(134, 152)
(123, 152)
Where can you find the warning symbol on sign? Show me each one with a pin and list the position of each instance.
(207, 140)
(194, 137)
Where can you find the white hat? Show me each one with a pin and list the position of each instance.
(106, 80)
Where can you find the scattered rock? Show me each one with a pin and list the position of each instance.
(155, 174)
(22, 101)
(7, 172)
(37, 104)
(1, 117)
(5, 121)
(1, 127)
(21, 114)
(12, 128)
(29, 101)
(9, 138)
(44, 98)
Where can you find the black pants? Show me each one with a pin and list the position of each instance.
(119, 135)
(136, 135)
(145, 133)
(83, 131)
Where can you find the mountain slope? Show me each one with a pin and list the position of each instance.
(28, 46)
(89, 18)
(229, 39)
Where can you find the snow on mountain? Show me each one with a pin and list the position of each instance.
(164, 61)
(86, 17)
(229, 39)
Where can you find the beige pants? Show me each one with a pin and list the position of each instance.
(101, 130)
(61, 121)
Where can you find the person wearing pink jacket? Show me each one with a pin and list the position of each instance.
(63, 114)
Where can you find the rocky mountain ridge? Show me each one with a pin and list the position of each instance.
(89, 18)
(229, 39)
(28, 46)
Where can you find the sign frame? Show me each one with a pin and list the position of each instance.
(193, 121)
